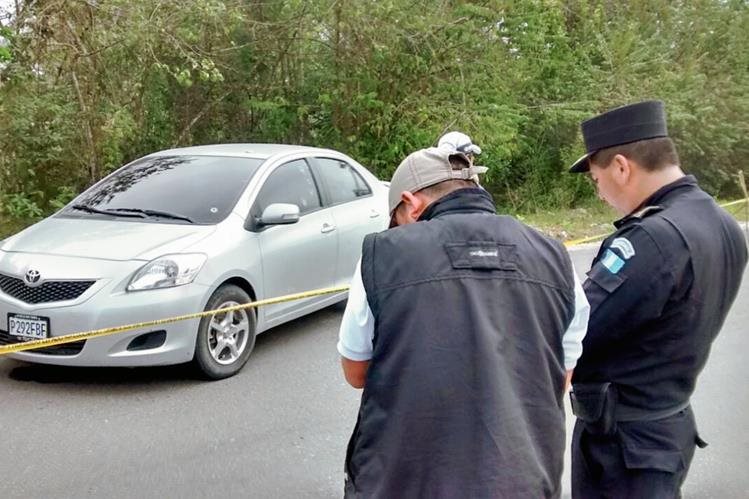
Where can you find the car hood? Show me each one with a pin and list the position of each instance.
(106, 239)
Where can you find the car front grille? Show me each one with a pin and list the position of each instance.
(66, 349)
(49, 291)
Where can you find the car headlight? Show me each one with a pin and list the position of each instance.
(167, 271)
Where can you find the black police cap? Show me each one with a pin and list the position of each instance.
(644, 120)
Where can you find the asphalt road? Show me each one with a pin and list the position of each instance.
(278, 429)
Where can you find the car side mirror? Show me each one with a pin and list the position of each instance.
(279, 214)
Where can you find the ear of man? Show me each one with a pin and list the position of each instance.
(623, 169)
(414, 204)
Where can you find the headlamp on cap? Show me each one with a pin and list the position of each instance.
(458, 142)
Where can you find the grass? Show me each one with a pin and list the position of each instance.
(593, 219)
(740, 211)
(575, 223)
(565, 225)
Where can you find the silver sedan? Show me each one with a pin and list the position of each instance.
(185, 230)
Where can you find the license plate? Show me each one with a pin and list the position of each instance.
(28, 327)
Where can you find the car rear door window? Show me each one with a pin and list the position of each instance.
(289, 183)
(343, 182)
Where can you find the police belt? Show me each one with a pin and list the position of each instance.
(625, 414)
(597, 405)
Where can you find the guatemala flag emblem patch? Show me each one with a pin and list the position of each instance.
(612, 262)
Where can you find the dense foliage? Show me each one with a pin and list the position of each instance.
(87, 85)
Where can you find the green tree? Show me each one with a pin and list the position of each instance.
(88, 86)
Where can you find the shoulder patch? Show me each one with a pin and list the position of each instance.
(624, 246)
(612, 262)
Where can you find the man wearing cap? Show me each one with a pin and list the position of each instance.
(659, 290)
(460, 327)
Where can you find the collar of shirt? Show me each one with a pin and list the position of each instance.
(659, 196)
(469, 200)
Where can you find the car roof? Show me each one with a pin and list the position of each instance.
(260, 151)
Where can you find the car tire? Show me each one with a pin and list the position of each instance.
(225, 340)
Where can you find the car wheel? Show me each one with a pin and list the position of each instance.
(225, 340)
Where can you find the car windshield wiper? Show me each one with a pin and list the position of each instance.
(153, 213)
(111, 213)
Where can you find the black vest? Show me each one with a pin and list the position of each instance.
(702, 255)
(463, 396)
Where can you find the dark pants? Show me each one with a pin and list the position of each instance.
(642, 459)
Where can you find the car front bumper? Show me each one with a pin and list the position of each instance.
(103, 306)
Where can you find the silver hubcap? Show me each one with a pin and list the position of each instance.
(228, 334)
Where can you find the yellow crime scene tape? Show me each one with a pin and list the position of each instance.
(69, 338)
(96, 333)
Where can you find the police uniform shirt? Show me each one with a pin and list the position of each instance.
(630, 282)
(640, 290)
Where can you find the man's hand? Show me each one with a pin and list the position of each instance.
(355, 371)
(568, 381)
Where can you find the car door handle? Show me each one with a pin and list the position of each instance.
(374, 214)
(326, 227)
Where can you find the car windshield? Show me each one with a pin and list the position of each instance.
(172, 189)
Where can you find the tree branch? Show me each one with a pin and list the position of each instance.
(197, 117)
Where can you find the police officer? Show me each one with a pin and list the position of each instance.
(659, 290)
(460, 326)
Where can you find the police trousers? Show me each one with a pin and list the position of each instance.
(641, 459)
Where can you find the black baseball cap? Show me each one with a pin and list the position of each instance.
(640, 121)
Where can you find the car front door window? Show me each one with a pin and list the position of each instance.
(290, 183)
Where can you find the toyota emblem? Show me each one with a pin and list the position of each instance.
(32, 277)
